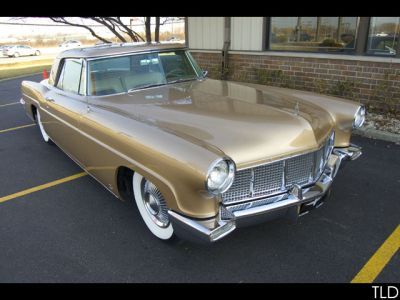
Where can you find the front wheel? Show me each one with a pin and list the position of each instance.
(16, 54)
(152, 207)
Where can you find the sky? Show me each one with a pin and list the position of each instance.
(30, 30)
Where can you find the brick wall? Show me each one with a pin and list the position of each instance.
(376, 84)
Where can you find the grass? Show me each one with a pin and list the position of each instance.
(24, 69)
(9, 63)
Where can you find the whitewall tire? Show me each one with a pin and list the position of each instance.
(152, 207)
(45, 136)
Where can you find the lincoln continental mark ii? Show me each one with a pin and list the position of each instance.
(199, 157)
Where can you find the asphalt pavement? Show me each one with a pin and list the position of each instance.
(79, 232)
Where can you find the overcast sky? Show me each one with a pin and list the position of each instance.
(20, 30)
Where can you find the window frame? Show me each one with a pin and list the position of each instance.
(268, 35)
(370, 52)
(61, 66)
(361, 41)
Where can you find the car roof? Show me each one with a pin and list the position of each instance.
(117, 49)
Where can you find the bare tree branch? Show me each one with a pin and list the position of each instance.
(115, 25)
(118, 28)
(110, 26)
(131, 33)
(93, 33)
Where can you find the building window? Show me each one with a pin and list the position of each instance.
(313, 34)
(383, 36)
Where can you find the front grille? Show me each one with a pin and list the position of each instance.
(299, 169)
(276, 177)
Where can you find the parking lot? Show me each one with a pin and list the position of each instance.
(74, 230)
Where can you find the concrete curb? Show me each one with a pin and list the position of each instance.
(378, 134)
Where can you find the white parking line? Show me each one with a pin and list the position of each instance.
(8, 104)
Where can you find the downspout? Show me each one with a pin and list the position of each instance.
(227, 43)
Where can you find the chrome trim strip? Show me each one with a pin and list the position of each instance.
(284, 172)
(252, 178)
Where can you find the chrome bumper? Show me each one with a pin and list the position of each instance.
(293, 204)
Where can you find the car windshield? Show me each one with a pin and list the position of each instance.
(138, 71)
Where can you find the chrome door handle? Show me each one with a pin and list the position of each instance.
(49, 99)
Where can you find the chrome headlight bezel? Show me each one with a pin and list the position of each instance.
(359, 117)
(228, 178)
(329, 145)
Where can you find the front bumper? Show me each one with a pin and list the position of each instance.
(293, 204)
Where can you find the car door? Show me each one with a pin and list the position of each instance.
(24, 51)
(20, 50)
(29, 50)
(65, 103)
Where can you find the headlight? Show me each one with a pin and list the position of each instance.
(220, 176)
(359, 117)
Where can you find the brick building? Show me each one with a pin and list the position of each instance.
(352, 57)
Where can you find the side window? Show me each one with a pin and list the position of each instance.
(70, 76)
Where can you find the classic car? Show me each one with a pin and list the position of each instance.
(20, 50)
(199, 157)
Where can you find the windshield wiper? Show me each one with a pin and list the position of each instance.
(182, 80)
(144, 87)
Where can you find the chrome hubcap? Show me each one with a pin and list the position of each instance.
(154, 204)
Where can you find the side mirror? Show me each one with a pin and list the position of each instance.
(205, 72)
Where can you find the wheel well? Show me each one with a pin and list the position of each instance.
(34, 112)
(124, 183)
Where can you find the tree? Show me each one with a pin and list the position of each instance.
(157, 30)
(147, 23)
(123, 32)
(114, 24)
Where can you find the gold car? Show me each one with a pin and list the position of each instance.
(200, 157)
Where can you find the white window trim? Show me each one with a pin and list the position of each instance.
(308, 55)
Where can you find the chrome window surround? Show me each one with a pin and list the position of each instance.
(315, 172)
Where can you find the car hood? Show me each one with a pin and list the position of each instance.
(247, 124)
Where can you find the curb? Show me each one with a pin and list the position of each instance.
(378, 134)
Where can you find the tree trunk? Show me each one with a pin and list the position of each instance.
(148, 29)
(157, 30)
